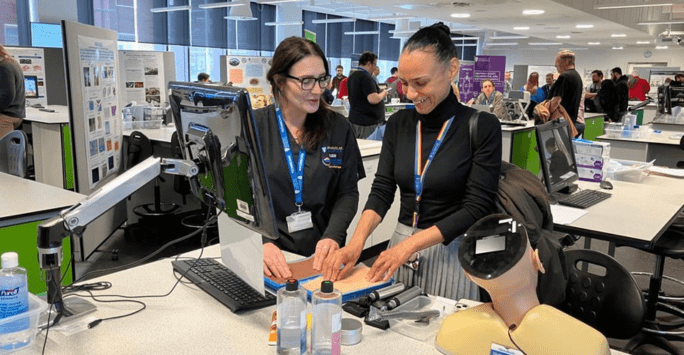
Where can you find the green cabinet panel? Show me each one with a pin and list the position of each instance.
(22, 239)
(593, 127)
(524, 152)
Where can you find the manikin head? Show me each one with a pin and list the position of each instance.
(496, 255)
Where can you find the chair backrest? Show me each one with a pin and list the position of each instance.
(610, 301)
(139, 149)
(13, 153)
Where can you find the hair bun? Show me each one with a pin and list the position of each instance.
(441, 26)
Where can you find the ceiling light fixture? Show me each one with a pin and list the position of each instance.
(271, 2)
(563, 37)
(334, 20)
(629, 6)
(643, 42)
(661, 47)
(501, 44)
(217, 5)
(291, 23)
(618, 47)
(456, 15)
(241, 13)
(521, 28)
(618, 35)
(509, 37)
(171, 8)
(533, 12)
(660, 23)
(544, 43)
(594, 43)
(585, 26)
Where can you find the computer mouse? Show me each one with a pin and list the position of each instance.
(606, 185)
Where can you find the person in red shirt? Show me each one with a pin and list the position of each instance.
(342, 92)
(638, 87)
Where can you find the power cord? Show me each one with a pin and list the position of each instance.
(511, 329)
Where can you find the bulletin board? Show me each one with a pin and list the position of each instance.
(32, 63)
(249, 73)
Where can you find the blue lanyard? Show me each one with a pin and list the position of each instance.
(297, 175)
(418, 170)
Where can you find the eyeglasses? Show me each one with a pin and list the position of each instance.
(309, 83)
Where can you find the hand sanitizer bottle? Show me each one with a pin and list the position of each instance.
(13, 301)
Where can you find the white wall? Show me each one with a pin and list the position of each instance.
(52, 11)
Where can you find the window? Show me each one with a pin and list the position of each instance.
(9, 31)
(466, 46)
(117, 15)
(206, 60)
(11, 34)
(180, 54)
(253, 35)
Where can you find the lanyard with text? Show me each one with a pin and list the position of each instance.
(298, 220)
(419, 171)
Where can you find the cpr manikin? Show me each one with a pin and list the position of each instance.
(496, 254)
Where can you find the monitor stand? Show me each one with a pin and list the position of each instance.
(563, 193)
(74, 309)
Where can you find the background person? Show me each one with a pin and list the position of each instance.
(337, 79)
(332, 162)
(203, 78)
(568, 86)
(492, 98)
(12, 95)
(621, 91)
(458, 189)
(638, 87)
(547, 88)
(367, 109)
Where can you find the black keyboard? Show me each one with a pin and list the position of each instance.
(584, 198)
(221, 283)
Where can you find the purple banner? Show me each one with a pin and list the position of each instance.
(466, 82)
(489, 67)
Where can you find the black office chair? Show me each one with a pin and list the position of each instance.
(611, 303)
(139, 149)
(680, 164)
(14, 153)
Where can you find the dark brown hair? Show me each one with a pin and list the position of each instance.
(289, 52)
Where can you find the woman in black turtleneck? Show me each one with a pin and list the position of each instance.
(459, 187)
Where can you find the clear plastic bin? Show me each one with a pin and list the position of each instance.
(152, 124)
(36, 307)
(614, 132)
(413, 329)
(628, 170)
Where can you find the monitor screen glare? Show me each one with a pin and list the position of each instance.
(31, 86)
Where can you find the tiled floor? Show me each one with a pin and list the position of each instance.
(140, 243)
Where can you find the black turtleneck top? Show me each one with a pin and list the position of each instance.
(459, 187)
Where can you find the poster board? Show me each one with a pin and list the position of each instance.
(32, 63)
(466, 83)
(657, 76)
(489, 67)
(249, 73)
(94, 119)
(145, 76)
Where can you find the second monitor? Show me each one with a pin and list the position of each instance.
(557, 157)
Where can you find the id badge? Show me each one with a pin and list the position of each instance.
(299, 221)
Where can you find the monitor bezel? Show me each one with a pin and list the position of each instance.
(566, 184)
(33, 78)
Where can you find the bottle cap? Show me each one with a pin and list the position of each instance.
(291, 285)
(327, 286)
(10, 260)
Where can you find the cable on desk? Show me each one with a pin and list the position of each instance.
(510, 329)
(59, 284)
(98, 321)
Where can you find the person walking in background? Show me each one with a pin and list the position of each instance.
(367, 109)
(621, 91)
(339, 75)
(568, 86)
(12, 95)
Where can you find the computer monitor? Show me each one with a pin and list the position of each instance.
(669, 96)
(557, 157)
(31, 86)
(218, 121)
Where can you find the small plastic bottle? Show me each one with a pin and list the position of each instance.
(13, 301)
(291, 317)
(326, 320)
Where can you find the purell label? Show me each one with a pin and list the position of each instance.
(10, 292)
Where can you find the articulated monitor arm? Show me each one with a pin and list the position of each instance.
(76, 218)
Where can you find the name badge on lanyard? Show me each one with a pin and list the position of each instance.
(299, 220)
(419, 170)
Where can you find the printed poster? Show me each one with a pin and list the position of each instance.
(466, 84)
(250, 73)
(143, 76)
(98, 71)
(489, 67)
(32, 63)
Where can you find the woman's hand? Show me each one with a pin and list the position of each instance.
(389, 261)
(274, 262)
(324, 248)
(347, 256)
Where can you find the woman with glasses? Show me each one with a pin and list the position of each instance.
(446, 184)
(312, 159)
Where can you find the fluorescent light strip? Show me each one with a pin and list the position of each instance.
(509, 37)
(456, 30)
(594, 43)
(544, 43)
(585, 26)
(563, 37)
(501, 44)
(217, 5)
(360, 33)
(171, 8)
(618, 48)
(334, 20)
(661, 47)
(660, 23)
(607, 7)
(521, 28)
(460, 15)
(533, 12)
(390, 18)
(402, 32)
(643, 42)
(614, 35)
(292, 23)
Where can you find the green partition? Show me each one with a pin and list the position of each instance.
(22, 239)
(524, 152)
(640, 117)
(593, 127)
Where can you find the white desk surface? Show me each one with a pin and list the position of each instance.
(593, 114)
(636, 214)
(23, 197)
(162, 134)
(190, 321)
(661, 138)
(61, 115)
(516, 128)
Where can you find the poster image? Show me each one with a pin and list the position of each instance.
(250, 73)
(32, 63)
(490, 67)
(466, 83)
(143, 77)
(86, 77)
